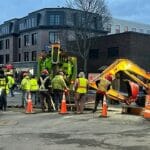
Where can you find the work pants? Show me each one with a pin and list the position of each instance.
(57, 94)
(79, 102)
(45, 97)
(34, 97)
(3, 101)
(25, 95)
(99, 97)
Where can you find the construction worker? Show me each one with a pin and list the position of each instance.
(81, 85)
(45, 90)
(103, 85)
(67, 67)
(25, 87)
(34, 88)
(11, 83)
(4, 90)
(58, 86)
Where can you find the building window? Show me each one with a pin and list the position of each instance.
(54, 37)
(26, 40)
(113, 52)
(1, 44)
(19, 57)
(34, 38)
(28, 23)
(148, 31)
(19, 43)
(33, 56)
(7, 58)
(109, 28)
(141, 31)
(94, 23)
(126, 29)
(75, 18)
(4, 30)
(134, 29)
(1, 59)
(7, 44)
(117, 28)
(93, 54)
(26, 56)
(54, 19)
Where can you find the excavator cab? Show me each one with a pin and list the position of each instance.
(55, 53)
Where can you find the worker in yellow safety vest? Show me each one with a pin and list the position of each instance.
(80, 87)
(103, 85)
(4, 90)
(67, 67)
(11, 83)
(25, 87)
(34, 87)
(58, 86)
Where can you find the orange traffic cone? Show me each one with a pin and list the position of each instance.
(104, 108)
(63, 109)
(146, 114)
(29, 107)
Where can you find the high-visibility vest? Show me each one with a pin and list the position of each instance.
(11, 81)
(82, 85)
(34, 84)
(25, 83)
(4, 85)
(42, 86)
(103, 85)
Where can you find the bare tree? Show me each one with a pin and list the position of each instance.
(91, 21)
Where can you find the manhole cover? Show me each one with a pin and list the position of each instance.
(8, 122)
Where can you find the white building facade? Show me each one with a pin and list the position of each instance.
(120, 26)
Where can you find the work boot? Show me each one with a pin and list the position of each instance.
(94, 110)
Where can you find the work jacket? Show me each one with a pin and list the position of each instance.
(82, 84)
(58, 83)
(44, 83)
(103, 85)
(25, 83)
(4, 84)
(34, 84)
(11, 81)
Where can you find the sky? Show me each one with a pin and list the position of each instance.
(132, 10)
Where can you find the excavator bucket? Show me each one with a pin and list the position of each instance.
(133, 91)
(134, 88)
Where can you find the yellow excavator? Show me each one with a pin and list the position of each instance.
(129, 73)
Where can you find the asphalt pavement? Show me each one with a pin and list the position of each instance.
(87, 131)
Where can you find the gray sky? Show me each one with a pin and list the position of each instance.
(133, 10)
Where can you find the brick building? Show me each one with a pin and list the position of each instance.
(131, 45)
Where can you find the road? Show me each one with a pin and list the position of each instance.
(52, 131)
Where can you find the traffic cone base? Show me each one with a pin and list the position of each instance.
(104, 108)
(63, 109)
(29, 106)
(146, 113)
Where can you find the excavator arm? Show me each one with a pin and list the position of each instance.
(137, 75)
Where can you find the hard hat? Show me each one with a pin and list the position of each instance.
(81, 75)
(109, 77)
(61, 73)
(44, 71)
